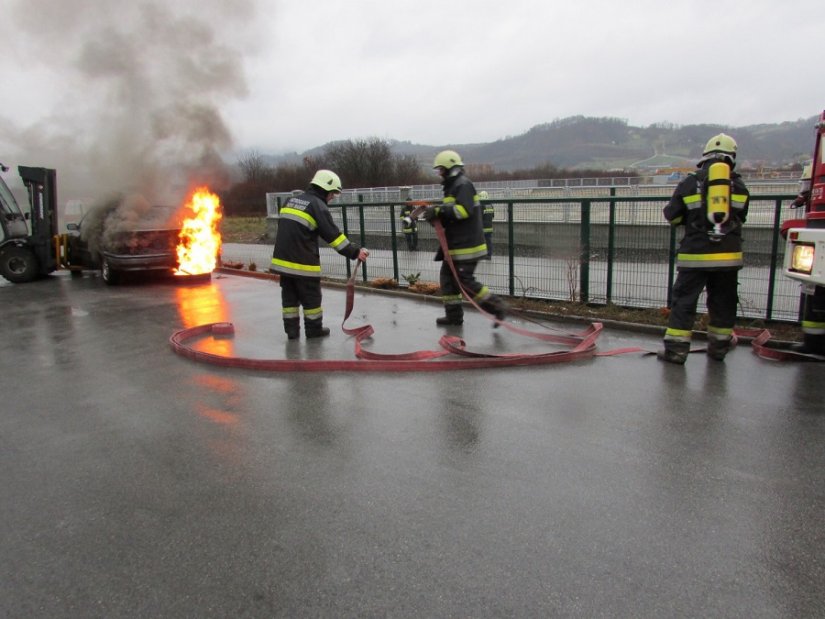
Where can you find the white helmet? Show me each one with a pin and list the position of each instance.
(327, 180)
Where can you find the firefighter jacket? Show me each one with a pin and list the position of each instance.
(303, 219)
(460, 213)
(487, 218)
(688, 207)
(408, 225)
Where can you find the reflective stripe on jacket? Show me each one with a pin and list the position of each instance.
(697, 250)
(488, 214)
(461, 215)
(303, 220)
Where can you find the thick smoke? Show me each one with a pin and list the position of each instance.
(135, 94)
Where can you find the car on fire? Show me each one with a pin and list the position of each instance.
(115, 245)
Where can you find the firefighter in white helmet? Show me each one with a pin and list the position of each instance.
(712, 205)
(296, 259)
(461, 215)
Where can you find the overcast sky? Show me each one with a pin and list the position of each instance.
(105, 80)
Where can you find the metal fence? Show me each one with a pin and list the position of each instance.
(607, 245)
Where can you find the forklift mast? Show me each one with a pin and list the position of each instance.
(41, 185)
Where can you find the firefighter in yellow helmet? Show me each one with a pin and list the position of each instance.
(460, 213)
(711, 204)
(409, 226)
(804, 195)
(296, 259)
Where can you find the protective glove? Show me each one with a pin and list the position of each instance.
(430, 213)
(407, 221)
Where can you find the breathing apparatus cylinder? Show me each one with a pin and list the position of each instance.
(718, 197)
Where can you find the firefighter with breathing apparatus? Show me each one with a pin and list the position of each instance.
(460, 213)
(813, 311)
(712, 205)
(409, 226)
(296, 258)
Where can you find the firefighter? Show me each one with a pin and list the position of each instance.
(487, 219)
(409, 226)
(813, 311)
(712, 205)
(461, 215)
(804, 196)
(296, 258)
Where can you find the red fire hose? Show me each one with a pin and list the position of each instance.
(581, 345)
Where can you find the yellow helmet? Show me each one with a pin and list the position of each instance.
(327, 180)
(447, 159)
(483, 195)
(723, 144)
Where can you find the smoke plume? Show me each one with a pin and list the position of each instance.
(135, 93)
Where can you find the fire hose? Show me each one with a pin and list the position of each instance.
(581, 345)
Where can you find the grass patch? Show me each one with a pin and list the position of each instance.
(243, 229)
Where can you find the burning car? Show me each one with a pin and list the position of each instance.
(129, 235)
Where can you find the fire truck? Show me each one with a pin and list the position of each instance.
(805, 245)
(805, 250)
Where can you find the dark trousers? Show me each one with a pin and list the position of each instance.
(813, 313)
(451, 291)
(412, 240)
(722, 298)
(297, 292)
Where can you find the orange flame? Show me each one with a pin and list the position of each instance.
(200, 241)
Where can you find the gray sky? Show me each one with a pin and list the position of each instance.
(121, 87)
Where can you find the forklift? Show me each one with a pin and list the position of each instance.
(26, 255)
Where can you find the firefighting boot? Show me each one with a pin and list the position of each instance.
(453, 315)
(315, 328)
(718, 348)
(497, 307)
(674, 352)
(812, 344)
(292, 327)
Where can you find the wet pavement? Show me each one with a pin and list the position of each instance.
(136, 482)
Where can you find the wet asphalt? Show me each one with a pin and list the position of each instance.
(138, 483)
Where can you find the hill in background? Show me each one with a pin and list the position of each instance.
(580, 142)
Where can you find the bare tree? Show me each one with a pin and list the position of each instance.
(254, 167)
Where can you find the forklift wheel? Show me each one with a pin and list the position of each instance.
(18, 264)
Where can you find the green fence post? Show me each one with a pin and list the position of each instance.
(511, 253)
(394, 244)
(584, 253)
(362, 236)
(777, 215)
(611, 245)
(671, 264)
(346, 233)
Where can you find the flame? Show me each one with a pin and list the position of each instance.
(200, 241)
